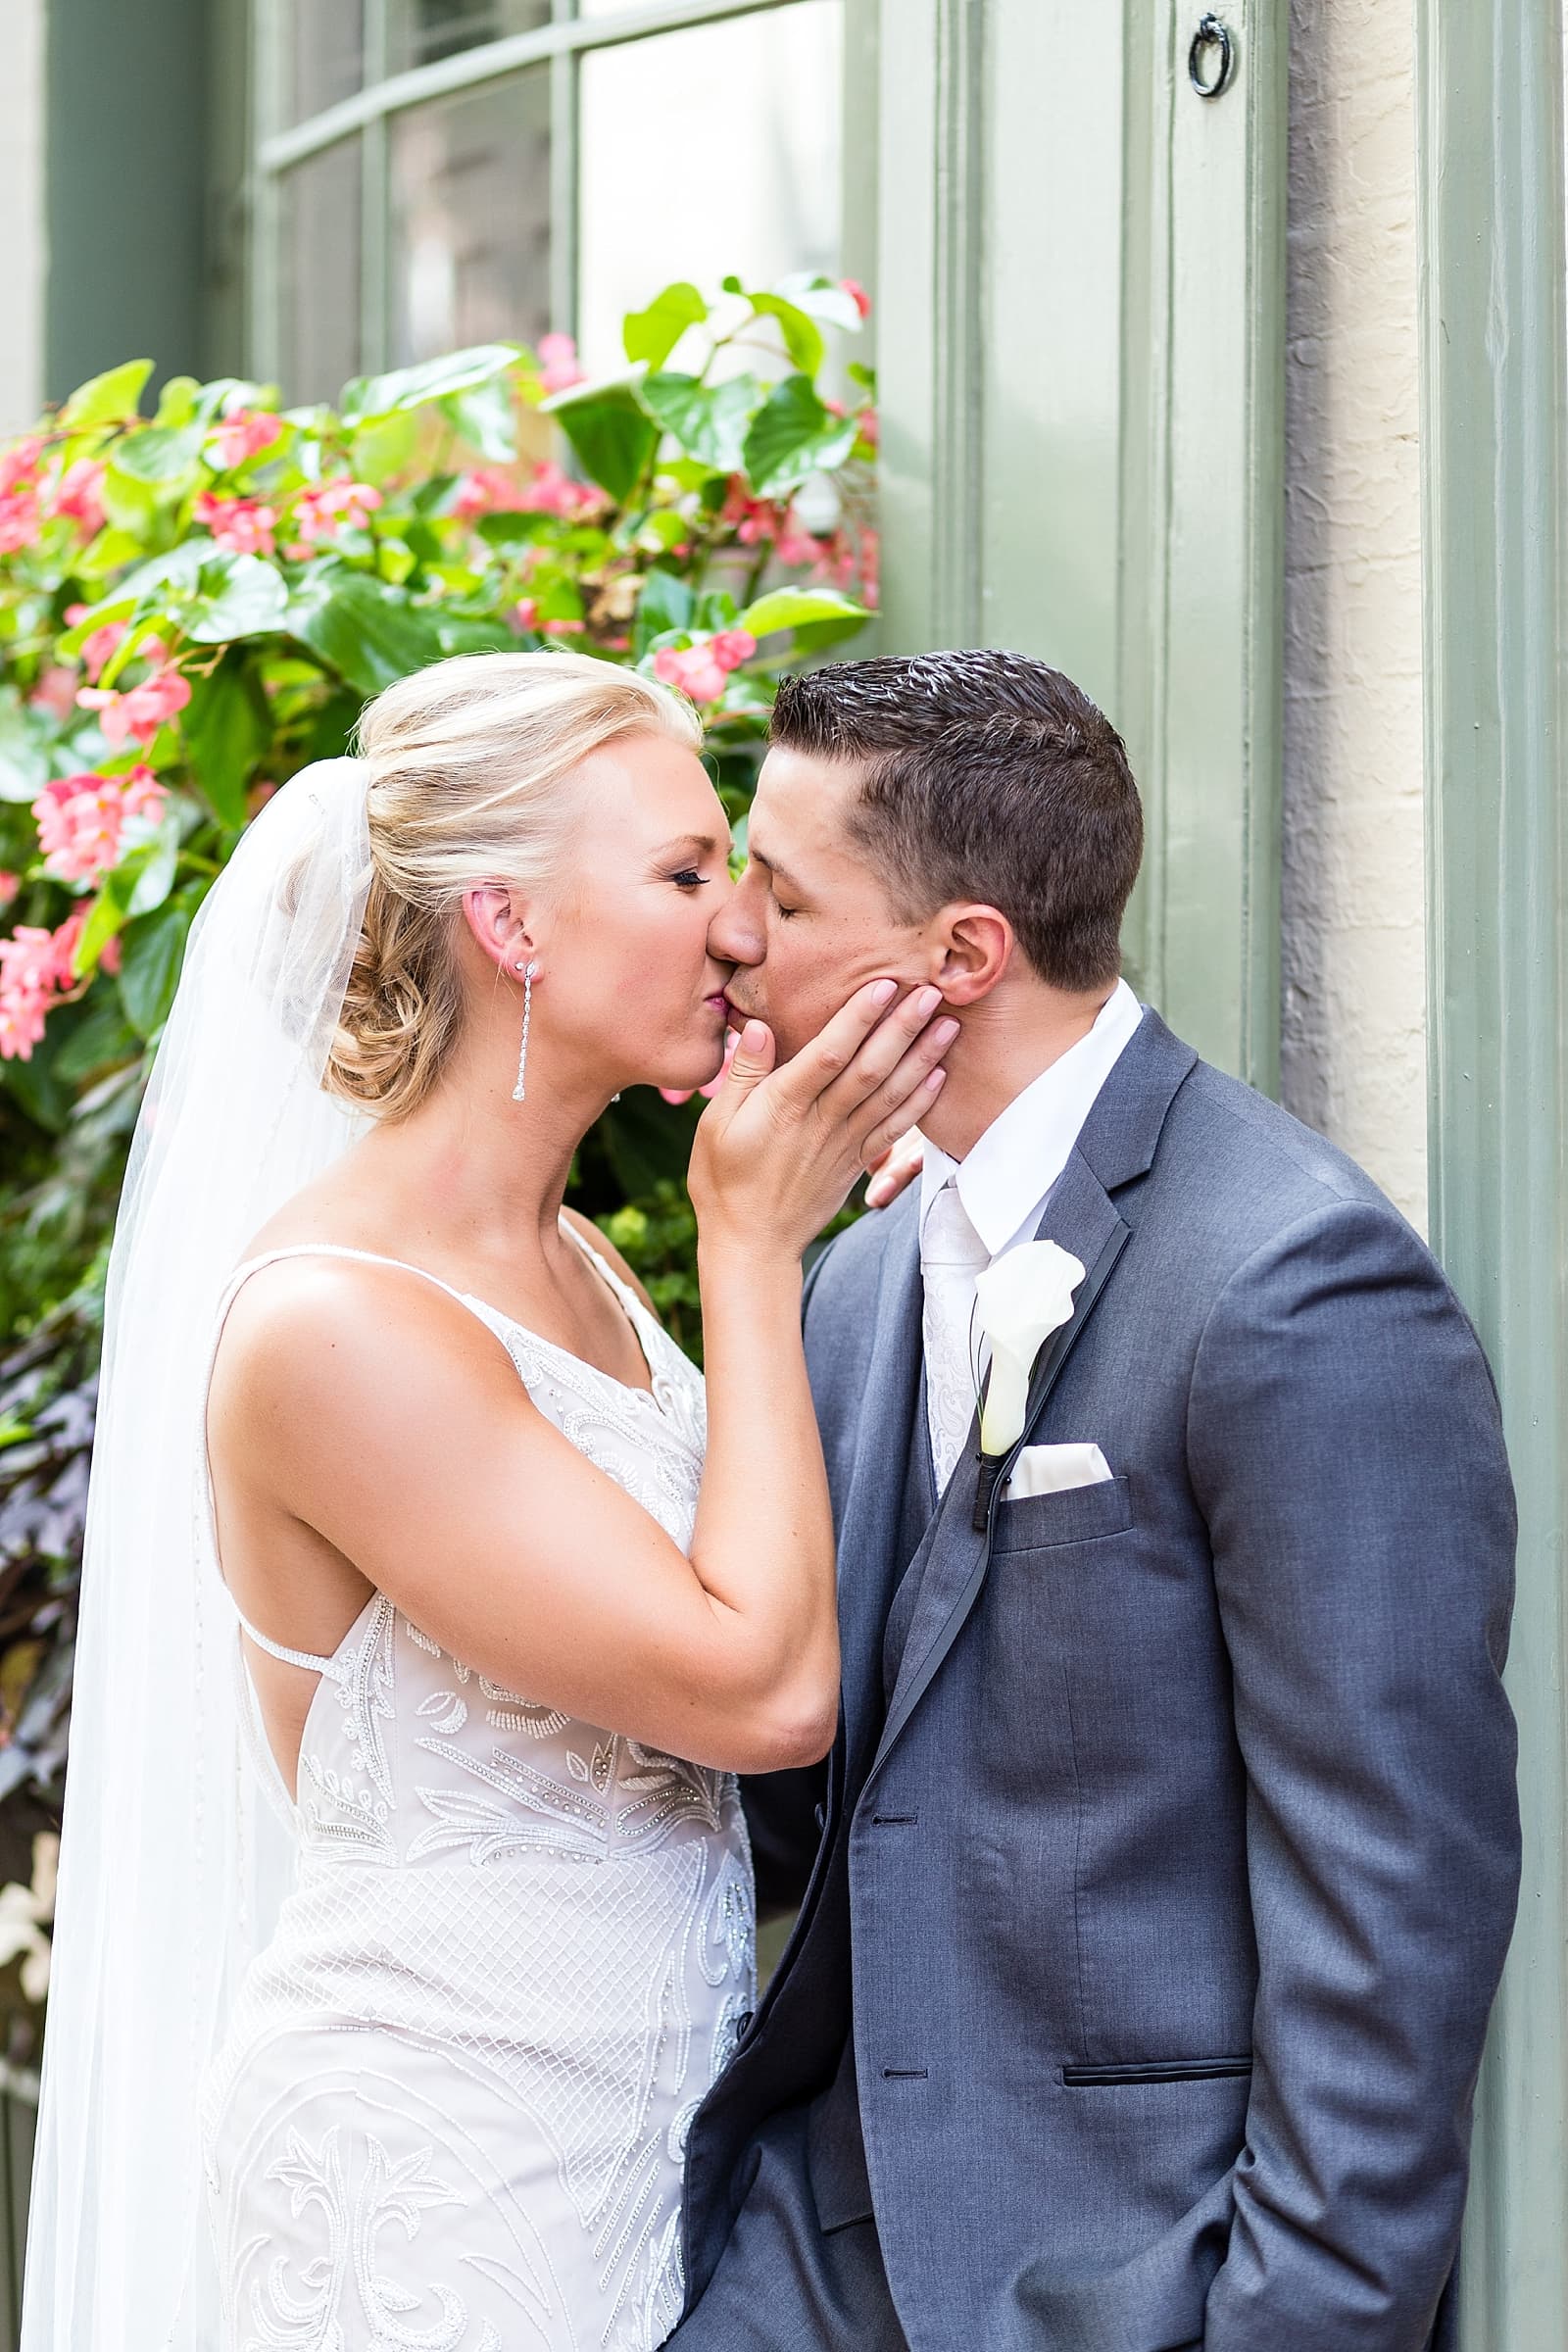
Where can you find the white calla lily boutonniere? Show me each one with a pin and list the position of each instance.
(1019, 1301)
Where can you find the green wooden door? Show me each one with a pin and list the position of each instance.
(1080, 341)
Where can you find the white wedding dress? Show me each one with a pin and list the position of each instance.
(450, 2110)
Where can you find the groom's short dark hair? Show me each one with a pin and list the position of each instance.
(989, 776)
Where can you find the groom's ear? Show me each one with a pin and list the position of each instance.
(974, 947)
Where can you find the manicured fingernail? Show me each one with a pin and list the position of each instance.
(934, 1080)
(928, 1000)
(884, 992)
(753, 1037)
(944, 1034)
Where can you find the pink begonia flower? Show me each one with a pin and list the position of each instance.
(144, 795)
(68, 938)
(870, 425)
(30, 965)
(56, 692)
(731, 646)
(525, 612)
(20, 460)
(693, 670)
(559, 367)
(563, 628)
(79, 493)
(97, 648)
(244, 434)
(858, 295)
(21, 1025)
(18, 519)
(551, 491)
(141, 711)
(673, 1094)
(331, 504)
(483, 491)
(81, 825)
(795, 546)
(10, 884)
(242, 525)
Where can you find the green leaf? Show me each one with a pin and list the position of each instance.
(106, 917)
(654, 333)
(23, 761)
(798, 607)
(382, 449)
(514, 530)
(111, 550)
(99, 1039)
(241, 595)
(105, 398)
(411, 387)
(227, 728)
(665, 602)
(131, 504)
(176, 403)
(803, 337)
(155, 951)
(119, 607)
(711, 421)
(486, 417)
(368, 632)
(793, 435)
(160, 452)
(822, 298)
(614, 438)
(157, 877)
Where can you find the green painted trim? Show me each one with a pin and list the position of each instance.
(126, 241)
(1495, 474)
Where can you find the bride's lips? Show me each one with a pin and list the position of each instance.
(717, 1003)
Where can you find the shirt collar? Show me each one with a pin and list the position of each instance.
(1005, 1178)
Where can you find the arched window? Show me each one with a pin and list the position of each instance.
(432, 174)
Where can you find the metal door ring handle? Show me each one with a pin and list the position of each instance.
(1211, 33)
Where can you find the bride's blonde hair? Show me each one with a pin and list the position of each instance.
(467, 760)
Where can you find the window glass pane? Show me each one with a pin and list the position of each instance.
(320, 273)
(326, 54)
(424, 30)
(470, 218)
(745, 120)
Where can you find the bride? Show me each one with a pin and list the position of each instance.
(406, 1909)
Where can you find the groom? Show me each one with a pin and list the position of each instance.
(1155, 1892)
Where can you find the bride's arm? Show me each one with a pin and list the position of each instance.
(366, 1404)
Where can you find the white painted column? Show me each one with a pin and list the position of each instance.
(21, 216)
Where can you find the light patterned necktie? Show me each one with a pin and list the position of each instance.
(951, 1256)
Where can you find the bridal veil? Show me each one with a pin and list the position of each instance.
(172, 1860)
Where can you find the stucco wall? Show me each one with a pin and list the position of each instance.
(1355, 1055)
(22, 214)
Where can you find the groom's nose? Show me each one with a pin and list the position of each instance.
(736, 933)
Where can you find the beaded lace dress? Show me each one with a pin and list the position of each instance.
(450, 2111)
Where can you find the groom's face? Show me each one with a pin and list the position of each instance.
(809, 921)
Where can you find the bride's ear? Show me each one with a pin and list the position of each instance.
(498, 924)
(974, 948)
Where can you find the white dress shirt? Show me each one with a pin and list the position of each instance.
(997, 1197)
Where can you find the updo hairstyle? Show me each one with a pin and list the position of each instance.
(468, 762)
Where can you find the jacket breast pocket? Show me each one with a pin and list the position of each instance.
(1073, 1515)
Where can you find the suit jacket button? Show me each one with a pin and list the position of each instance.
(744, 2023)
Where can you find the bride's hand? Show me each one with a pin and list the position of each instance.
(777, 1151)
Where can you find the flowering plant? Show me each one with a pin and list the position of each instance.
(196, 603)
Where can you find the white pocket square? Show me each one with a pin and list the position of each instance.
(1051, 1469)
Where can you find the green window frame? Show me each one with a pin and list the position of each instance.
(561, 45)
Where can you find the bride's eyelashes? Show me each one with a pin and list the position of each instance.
(690, 879)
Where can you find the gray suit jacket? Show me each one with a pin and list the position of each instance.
(1174, 1879)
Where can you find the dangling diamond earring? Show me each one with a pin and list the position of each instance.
(528, 973)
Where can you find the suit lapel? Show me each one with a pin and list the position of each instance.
(1082, 1219)
(869, 1531)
